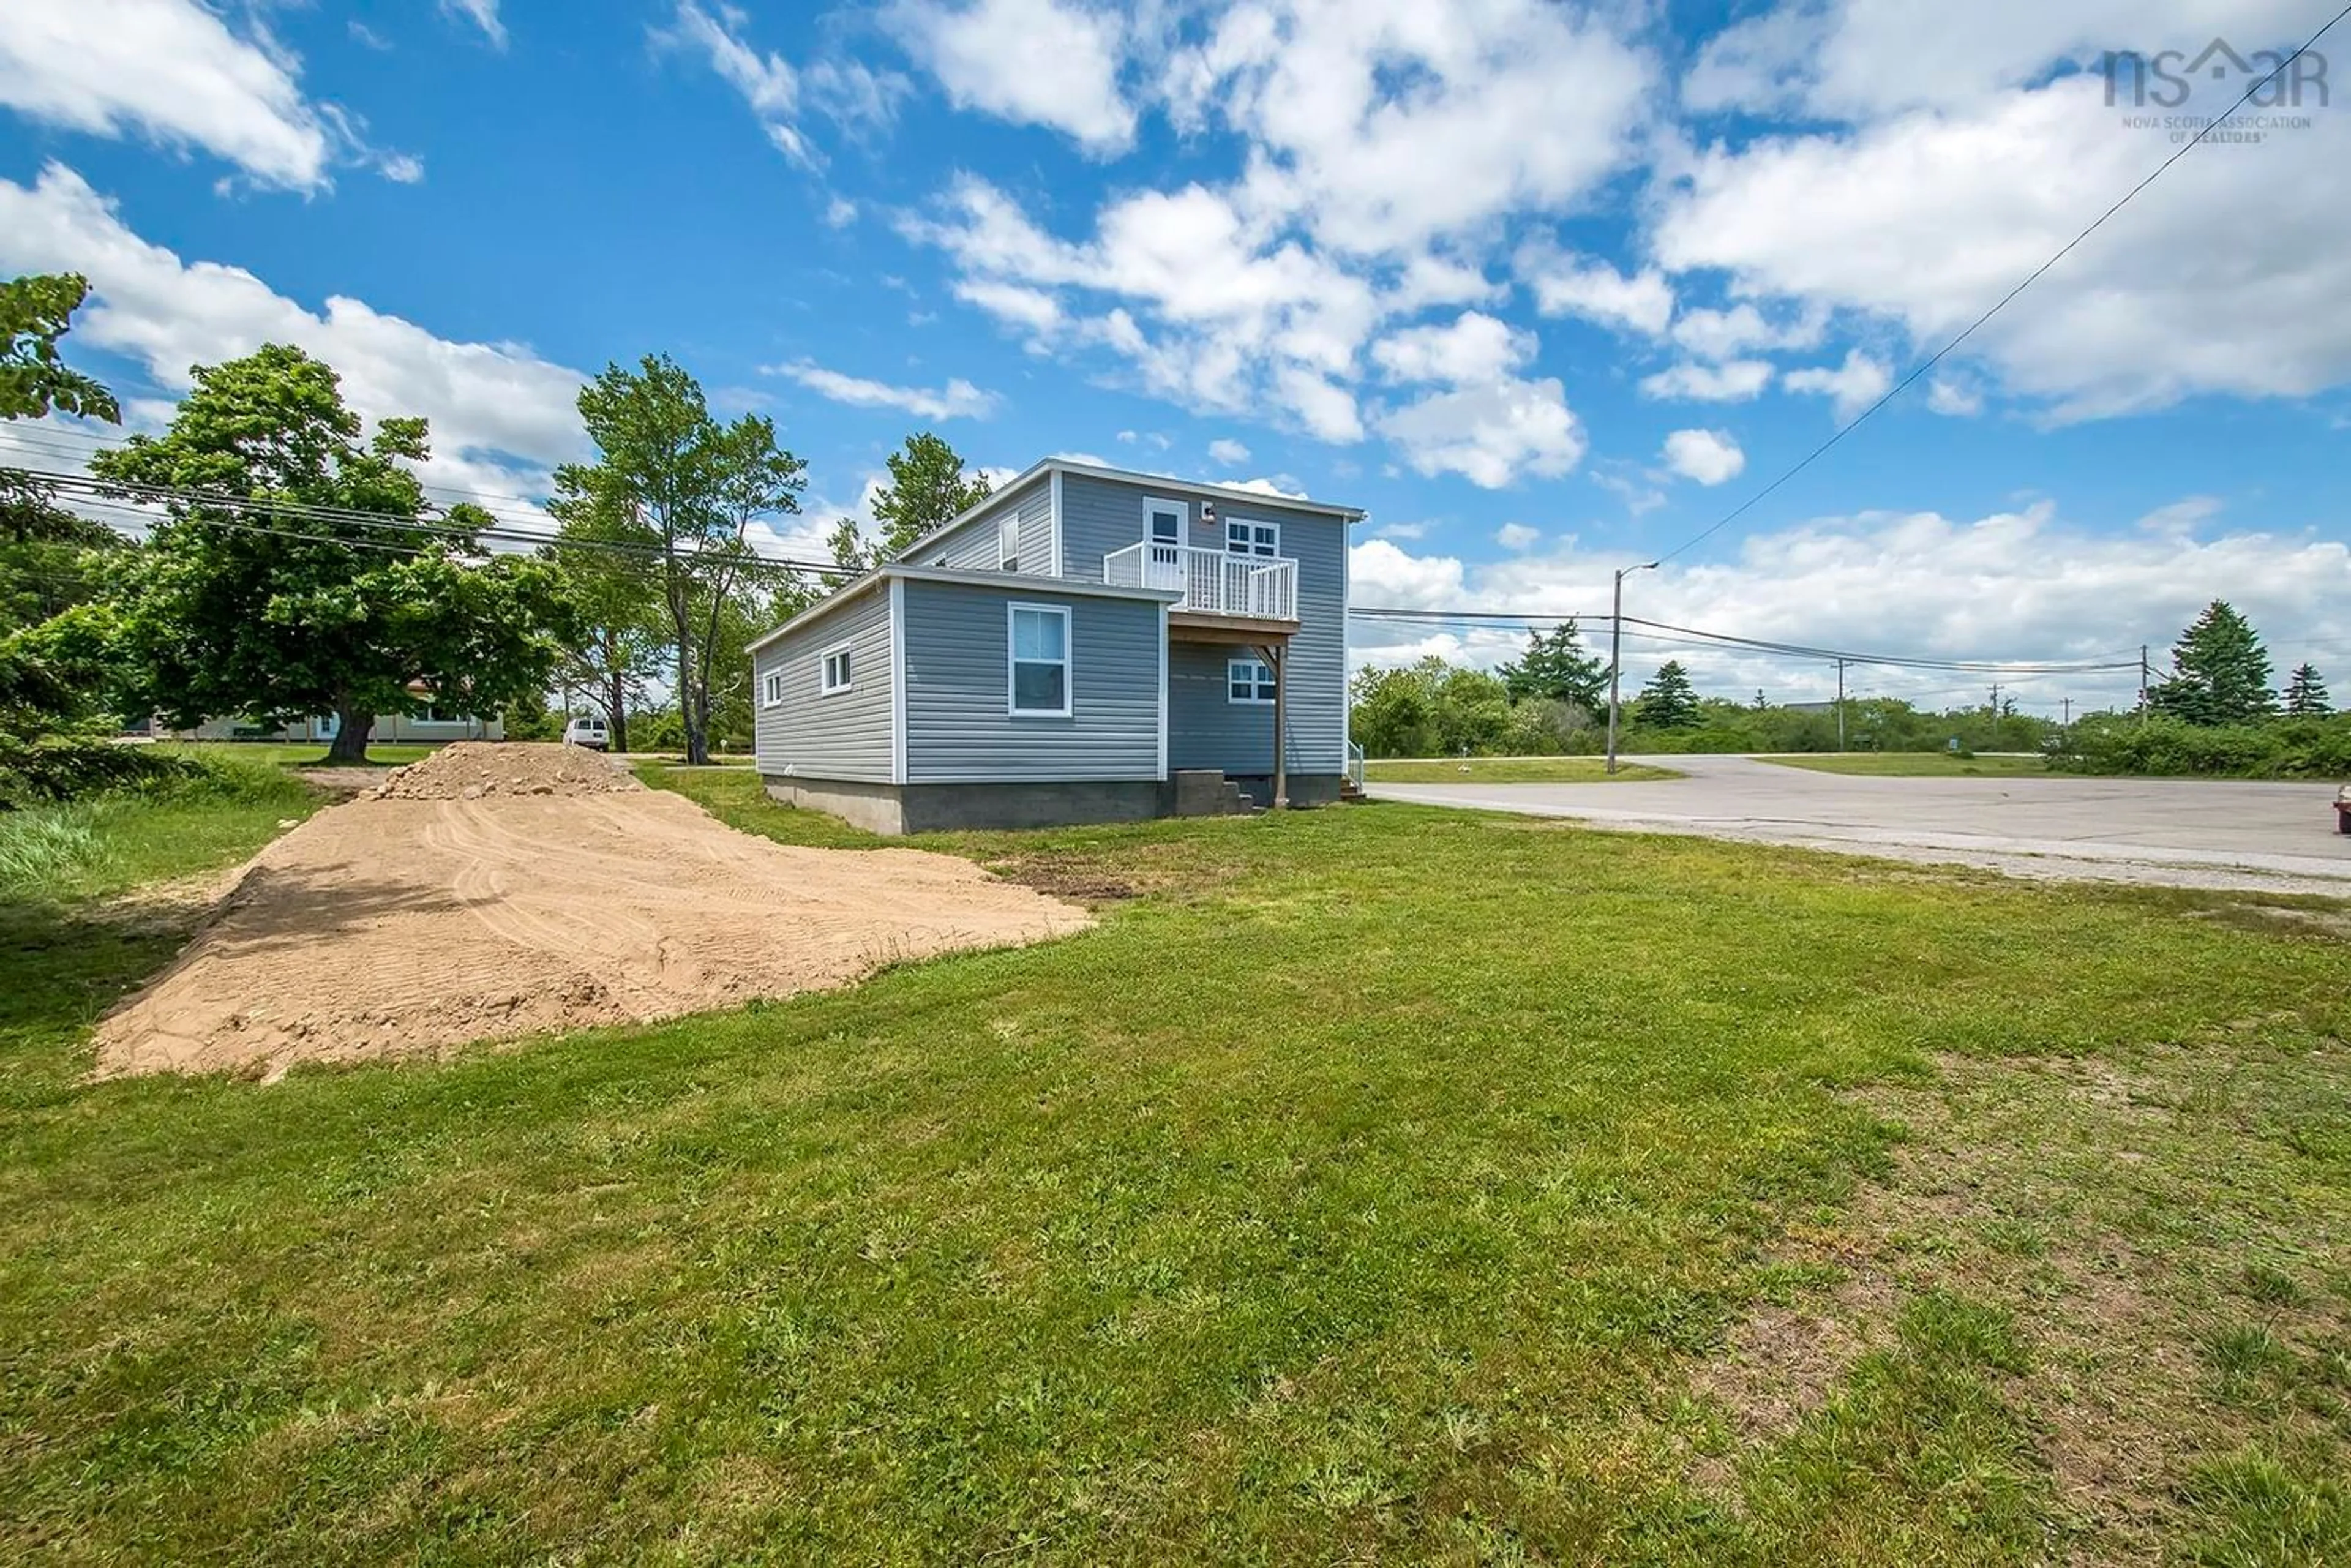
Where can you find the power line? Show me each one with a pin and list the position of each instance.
(1705, 638)
(2033, 276)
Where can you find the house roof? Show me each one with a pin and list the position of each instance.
(1161, 484)
(1023, 583)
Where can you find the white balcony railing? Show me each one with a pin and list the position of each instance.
(1212, 582)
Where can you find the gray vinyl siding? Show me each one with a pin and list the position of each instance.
(1099, 516)
(958, 673)
(846, 735)
(974, 547)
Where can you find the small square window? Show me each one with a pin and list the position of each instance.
(771, 689)
(836, 672)
(1248, 680)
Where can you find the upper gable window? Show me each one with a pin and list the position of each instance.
(1243, 536)
(1008, 542)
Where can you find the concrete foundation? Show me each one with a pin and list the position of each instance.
(936, 807)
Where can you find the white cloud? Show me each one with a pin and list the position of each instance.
(1383, 125)
(1033, 62)
(1707, 456)
(1517, 536)
(174, 72)
(1228, 451)
(1489, 424)
(1720, 335)
(2040, 589)
(1489, 433)
(1956, 179)
(1282, 486)
(776, 91)
(1953, 398)
(1474, 346)
(1734, 382)
(1566, 284)
(1378, 573)
(500, 415)
(1855, 385)
(957, 400)
(482, 14)
(839, 212)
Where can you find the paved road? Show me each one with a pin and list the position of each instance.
(2178, 832)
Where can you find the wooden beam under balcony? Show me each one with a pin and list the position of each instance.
(1192, 626)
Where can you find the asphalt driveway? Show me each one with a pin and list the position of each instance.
(2177, 831)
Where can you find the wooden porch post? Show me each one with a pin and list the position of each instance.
(1274, 653)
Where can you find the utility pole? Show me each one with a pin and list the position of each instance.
(2142, 681)
(2066, 722)
(1616, 652)
(1840, 705)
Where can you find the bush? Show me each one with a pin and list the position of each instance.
(2163, 746)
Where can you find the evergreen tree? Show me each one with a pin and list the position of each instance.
(2220, 672)
(2305, 694)
(1557, 667)
(1670, 701)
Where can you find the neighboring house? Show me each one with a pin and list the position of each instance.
(1084, 646)
(431, 728)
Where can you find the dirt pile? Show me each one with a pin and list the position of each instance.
(471, 769)
(393, 927)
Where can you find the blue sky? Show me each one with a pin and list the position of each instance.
(1548, 288)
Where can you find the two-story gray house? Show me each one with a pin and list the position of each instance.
(1086, 645)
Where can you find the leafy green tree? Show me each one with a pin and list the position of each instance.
(928, 486)
(1392, 713)
(45, 564)
(35, 380)
(673, 481)
(2220, 672)
(2305, 694)
(613, 592)
(261, 604)
(1668, 701)
(1557, 666)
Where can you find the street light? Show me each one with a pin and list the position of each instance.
(1616, 651)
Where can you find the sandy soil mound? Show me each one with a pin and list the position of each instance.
(382, 927)
(469, 769)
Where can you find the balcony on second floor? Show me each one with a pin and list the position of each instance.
(1221, 583)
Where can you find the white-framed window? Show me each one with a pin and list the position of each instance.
(1243, 536)
(1248, 680)
(1008, 542)
(436, 714)
(1036, 660)
(833, 677)
(1165, 520)
(771, 689)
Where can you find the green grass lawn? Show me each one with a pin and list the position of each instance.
(298, 754)
(1370, 1183)
(1508, 770)
(1915, 765)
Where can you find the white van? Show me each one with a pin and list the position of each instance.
(588, 732)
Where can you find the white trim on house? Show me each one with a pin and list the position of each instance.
(1053, 509)
(897, 680)
(1260, 680)
(1164, 674)
(826, 687)
(1013, 610)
